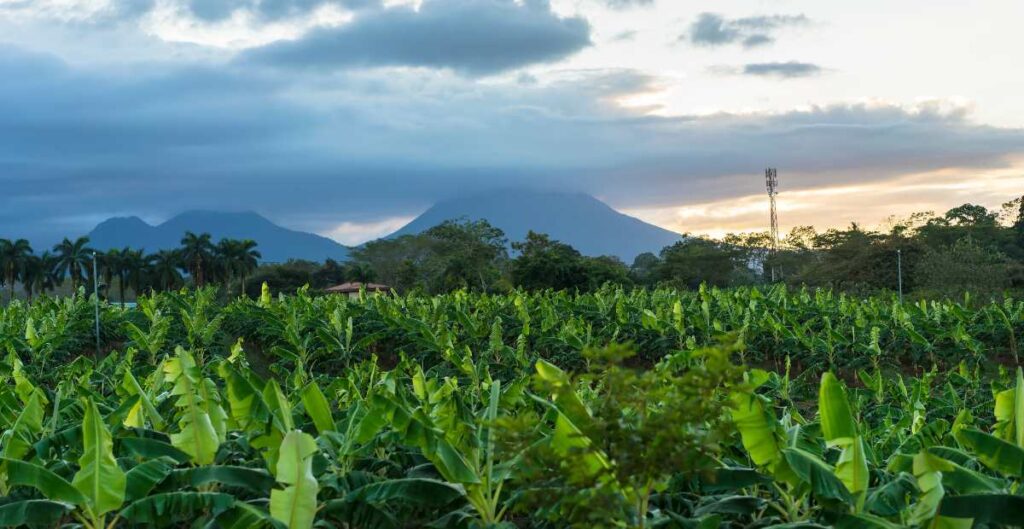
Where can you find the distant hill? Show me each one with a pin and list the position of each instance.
(589, 225)
(277, 244)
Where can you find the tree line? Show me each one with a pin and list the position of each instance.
(967, 248)
(198, 261)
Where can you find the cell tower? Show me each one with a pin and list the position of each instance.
(771, 181)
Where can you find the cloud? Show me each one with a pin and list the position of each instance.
(782, 70)
(366, 145)
(712, 29)
(625, 4)
(217, 10)
(206, 11)
(477, 37)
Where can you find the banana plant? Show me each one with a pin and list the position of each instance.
(97, 489)
(201, 420)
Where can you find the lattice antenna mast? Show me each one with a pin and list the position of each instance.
(771, 180)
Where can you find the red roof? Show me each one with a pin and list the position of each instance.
(355, 286)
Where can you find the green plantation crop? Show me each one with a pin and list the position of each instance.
(738, 408)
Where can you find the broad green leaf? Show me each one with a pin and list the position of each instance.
(928, 471)
(451, 464)
(44, 480)
(852, 466)
(1001, 509)
(255, 480)
(318, 408)
(817, 474)
(245, 401)
(741, 505)
(408, 491)
(99, 478)
(566, 438)
(176, 506)
(893, 497)
(759, 430)
(279, 407)
(33, 513)
(295, 505)
(144, 408)
(865, 521)
(17, 441)
(146, 448)
(364, 515)
(995, 453)
(837, 422)
(1009, 412)
(245, 516)
(197, 435)
(562, 393)
(143, 477)
(732, 479)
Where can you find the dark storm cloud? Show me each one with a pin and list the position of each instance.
(712, 29)
(783, 70)
(78, 146)
(474, 36)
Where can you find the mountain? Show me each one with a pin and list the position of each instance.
(277, 244)
(589, 225)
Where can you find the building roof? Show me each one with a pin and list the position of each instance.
(355, 286)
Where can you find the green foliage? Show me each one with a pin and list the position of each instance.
(473, 410)
(598, 464)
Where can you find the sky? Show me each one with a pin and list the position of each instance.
(350, 117)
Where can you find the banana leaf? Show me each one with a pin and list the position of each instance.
(33, 513)
(176, 506)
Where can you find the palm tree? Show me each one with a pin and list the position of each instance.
(39, 275)
(196, 252)
(14, 255)
(248, 259)
(239, 259)
(135, 269)
(113, 265)
(163, 269)
(73, 259)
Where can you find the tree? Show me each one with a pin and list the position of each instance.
(237, 259)
(644, 268)
(1013, 211)
(38, 274)
(967, 220)
(963, 266)
(603, 270)
(385, 260)
(285, 277)
(695, 260)
(135, 267)
(755, 249)
(73, 259)
(164, 266)
(331, 273)
(360, 272)
(14, 255)
(113, 265)
(468, 253)
(546, 263)
(196, 254)
(451, 255)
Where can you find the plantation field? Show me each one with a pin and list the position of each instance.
(735, 408)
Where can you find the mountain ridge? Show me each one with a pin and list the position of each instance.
(276, 243)
(588, 224)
